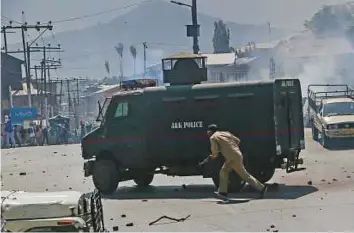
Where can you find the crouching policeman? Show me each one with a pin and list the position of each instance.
(228, 145)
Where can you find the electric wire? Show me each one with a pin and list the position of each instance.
(99, 13)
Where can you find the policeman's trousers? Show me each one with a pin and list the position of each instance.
(237, 165)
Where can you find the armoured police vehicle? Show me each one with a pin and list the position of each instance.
(331, 113)
(162, 129)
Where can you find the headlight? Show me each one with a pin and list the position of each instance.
(334, 126)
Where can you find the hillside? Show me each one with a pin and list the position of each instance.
(159, 23)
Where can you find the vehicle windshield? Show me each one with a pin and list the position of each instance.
(341, 108)
(102, 114)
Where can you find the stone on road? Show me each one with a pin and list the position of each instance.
(320, 198)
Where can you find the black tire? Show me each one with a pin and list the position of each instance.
(105, 176)
(144, 179)
(314, 133)
(264, 175)
(235, 182)
(324, 139)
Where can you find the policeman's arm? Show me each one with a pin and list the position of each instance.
(214, 148)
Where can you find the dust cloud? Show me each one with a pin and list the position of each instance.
(316, 60)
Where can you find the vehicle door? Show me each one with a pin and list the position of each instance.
(123, 130)
(288, 114)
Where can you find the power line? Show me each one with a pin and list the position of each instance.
(100, 13)
(3, 16)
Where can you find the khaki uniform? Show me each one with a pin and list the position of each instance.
(228, 145)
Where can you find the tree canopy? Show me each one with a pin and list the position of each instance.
(332, 18)
(221, 38)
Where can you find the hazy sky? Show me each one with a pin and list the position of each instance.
(282, 13)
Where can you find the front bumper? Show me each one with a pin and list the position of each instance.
(88, 168)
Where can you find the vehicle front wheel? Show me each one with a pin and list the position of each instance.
(105, 176)
(324, 139)
(314, 133)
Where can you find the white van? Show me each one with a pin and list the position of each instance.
(67, 211)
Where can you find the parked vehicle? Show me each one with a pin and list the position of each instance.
(331, 113)
(51, 211)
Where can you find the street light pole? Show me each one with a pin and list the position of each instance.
(192, 30)
(195, 26)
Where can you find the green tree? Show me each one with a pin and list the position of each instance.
(221, 39)
(134, 53)
(331, 18)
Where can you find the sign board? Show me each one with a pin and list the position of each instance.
(22, 114)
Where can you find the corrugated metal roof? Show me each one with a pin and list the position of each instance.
(220, 58)
(34, 91)
(227, 59)
(184, 55)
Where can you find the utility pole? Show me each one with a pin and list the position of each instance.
(3, 30)
(36, 76)
(45, 69)
(69, 99)
(24, 27)
(194, 29)
(145, 47)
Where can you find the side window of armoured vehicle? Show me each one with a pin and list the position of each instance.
(121, 110)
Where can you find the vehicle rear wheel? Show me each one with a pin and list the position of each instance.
(105, 176)
(264, 175)
(144, 179)
(235, 182)
(314, 133)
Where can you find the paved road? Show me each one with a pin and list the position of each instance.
(324, 204)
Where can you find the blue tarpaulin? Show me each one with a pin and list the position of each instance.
(18, 115)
